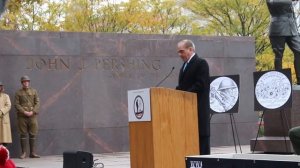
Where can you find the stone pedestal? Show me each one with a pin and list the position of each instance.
(276, 127)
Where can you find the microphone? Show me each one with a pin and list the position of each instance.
(165, 77)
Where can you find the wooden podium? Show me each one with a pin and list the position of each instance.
(171, 134)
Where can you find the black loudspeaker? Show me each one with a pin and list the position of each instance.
(78, 159)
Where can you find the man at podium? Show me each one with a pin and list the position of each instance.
(194, 77)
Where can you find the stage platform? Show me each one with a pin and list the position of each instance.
(243, 161)
(112, 160)
(247, 159)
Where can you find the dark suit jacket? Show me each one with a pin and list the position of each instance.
(283, 21)
(195, 79)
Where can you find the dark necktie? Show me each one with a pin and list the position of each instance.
(185, 65)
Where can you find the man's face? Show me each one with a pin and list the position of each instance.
(25, 84)
(183, 52)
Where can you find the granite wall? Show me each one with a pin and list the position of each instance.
(83, 79)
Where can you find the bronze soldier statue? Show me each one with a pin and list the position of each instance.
(283, 30)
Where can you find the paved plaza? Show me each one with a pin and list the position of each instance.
(110, 160)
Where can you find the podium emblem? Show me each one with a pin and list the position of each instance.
(138, 107)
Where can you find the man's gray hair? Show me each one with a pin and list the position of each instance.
(188, 43)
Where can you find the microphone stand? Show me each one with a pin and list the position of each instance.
(165, 77)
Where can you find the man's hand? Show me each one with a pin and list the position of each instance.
(28, 113)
